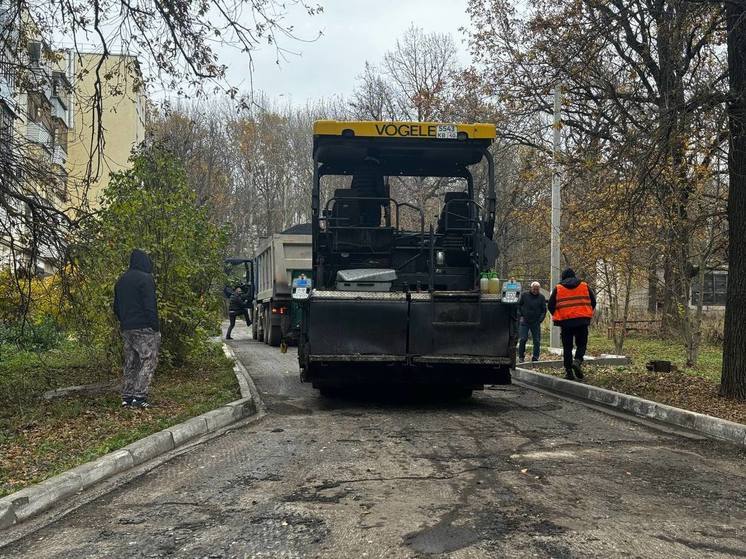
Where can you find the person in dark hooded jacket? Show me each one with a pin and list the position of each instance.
(572, 303)
(237, 306)
(136, 308)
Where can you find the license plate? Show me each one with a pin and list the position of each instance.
(447, 132)
(510, 297)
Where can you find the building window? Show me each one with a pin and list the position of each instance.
(6, 130)
(715, 288)
(34, 52)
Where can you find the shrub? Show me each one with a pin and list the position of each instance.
(152, 208)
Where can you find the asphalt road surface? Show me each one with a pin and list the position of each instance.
(511, 473)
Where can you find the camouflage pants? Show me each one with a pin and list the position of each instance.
(140, 360)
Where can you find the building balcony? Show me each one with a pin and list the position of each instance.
(7, 93)
(59, 110)
(38, 134)
(59, 156)
(41, 81)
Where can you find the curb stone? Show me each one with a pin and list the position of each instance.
(7, 515)
(615, 360)
(27, 502)
(239, 371)
(188, 430)
(245, 381)
(711, 427)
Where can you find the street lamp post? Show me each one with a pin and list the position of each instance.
(554, 337)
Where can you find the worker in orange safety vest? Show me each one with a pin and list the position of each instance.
(572, 303)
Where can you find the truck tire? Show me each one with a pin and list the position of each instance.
(266, 319)
(462, 392)
(274, 336)
(259, 320)
(330, 391)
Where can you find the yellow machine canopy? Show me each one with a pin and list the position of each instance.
(383, 129)
(399, 148)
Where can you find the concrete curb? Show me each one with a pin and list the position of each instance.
(239, 370)
(23, 504)
(712, 427)
(611, 360)
(248, 388)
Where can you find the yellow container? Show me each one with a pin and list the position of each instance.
(493, 286)
(484, 284)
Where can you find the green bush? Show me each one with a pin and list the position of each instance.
(39, 334)
(152, 208)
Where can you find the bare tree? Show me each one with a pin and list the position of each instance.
(643, 84)
(179, 43)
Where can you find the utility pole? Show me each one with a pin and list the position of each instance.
(554, 337)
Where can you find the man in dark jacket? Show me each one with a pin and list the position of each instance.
(532, 308)
(572, 303)
(237, 306)
(136, 309)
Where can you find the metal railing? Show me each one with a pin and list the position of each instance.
(473, 219)
(333, 222)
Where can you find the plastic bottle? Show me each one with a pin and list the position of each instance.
(484, 283)
(494, 284)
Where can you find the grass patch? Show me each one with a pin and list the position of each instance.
(25, 375)
(40, 438)
(641, 349)
(644, 349)
(677, 388)
(691, 388)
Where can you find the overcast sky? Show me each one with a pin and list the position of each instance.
(353, 31)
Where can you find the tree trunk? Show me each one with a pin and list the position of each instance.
(692, 355)
(619, 347)
(669, 319)
(653, 286)
(675, 188)
(733, 381)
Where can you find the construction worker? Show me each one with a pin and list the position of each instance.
(237, 307)
(572, 303)
(532, 308)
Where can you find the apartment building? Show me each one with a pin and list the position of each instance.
(118, 121)
(35, 90)
(49, 131)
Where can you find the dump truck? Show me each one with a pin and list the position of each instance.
(394, 300)
(279, 259)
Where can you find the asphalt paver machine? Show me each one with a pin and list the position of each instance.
(394, 300)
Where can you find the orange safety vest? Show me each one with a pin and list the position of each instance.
(573, 303)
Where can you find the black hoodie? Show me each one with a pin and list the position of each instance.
(570, 283)
(134, 295)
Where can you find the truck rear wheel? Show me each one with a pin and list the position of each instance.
(462, 393)
(260, 329)
(264, 331)
(330, 391)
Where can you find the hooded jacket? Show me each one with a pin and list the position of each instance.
(570, 282)
(237, 303)
(134, 295)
